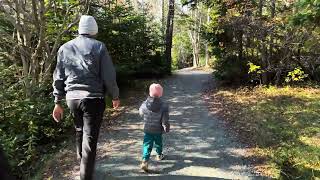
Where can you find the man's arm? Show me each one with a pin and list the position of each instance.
(108, 74)
(58, 84)
(59, 79)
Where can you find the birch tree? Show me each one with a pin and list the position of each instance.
(194, 34)
(31, 43)
(207, 56)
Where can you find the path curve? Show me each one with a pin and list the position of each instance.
(196, 148)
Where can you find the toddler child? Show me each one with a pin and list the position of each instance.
(155, 114)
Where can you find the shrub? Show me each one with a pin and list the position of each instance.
(132, 39)
(26, 128)
(231, 70)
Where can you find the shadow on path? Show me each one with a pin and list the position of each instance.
(196, 148)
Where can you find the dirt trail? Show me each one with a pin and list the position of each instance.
(196, 148)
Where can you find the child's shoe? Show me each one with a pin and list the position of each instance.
(144, 165)
(160, 157)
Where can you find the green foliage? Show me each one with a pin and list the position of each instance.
(57, 19)
(296, 75)
(133, 40)
(253, 68)
(182, 48)
(26, 128)
(231, 71)
(309, 12)
(276, 39)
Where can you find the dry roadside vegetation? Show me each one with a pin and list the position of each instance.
(281, 127)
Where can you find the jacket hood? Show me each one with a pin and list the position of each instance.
(154, 104)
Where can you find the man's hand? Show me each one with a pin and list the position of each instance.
(115, 103)
(57, 113)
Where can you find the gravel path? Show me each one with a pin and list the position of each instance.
(196, 148)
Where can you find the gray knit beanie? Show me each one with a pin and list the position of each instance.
(88, 25)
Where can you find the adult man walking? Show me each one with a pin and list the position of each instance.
(84, 74)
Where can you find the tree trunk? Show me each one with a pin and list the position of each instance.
(169, 33)
(263, 47)
(198, 45)
(207, 44)
(240, 47)
(207, 55)
(23, 44)
(273, 8)
(278, 77)
(264, 62)
(163, 21)
(273, 13)
(194, 48)
(195, 62)
(194, 36)
(295, 8)
(260, 7)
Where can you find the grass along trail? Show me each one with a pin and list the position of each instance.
(280, 124)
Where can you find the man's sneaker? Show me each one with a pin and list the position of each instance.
(144, 165)
(160, 157)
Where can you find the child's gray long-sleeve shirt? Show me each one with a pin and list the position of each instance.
(84, 70)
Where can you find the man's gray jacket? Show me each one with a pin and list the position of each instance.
(155, 114)
(84, 70)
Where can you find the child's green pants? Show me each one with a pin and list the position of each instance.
(148, 141)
